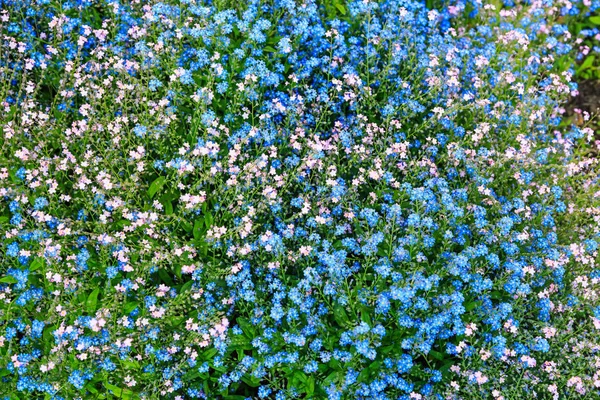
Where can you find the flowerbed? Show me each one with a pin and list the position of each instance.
(294, 200)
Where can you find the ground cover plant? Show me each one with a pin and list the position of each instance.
(295, 200)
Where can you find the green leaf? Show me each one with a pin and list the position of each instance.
(251, 381)
(91, 388)
(156, 185)
(388, 349)
(333, 377)
(240, 342)
(117, 391)
(129, 307)
(588, 62)
(269, 49)
(8, 279)
(437, 355)
(186, 286)
(496, 295)
(92, 300)
(445, 369)
(310, 386)
(198, 225)
(209, 354)
(122, 223)
(246, 327)
(340, 316)
(471, 305)
(369, 371)
(47, 337)
(165, 200)
(208, 220)
(203, 247)
(595, 20)
(340, 8)
(165, 277)
(297, 378)
(365, 315)
(187, 226)
(36, 264)
(191, 375)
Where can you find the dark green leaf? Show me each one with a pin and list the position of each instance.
(471, 306)
(246, 327)
(365, 315)
(251, 381)
(340, 316)
(437, 355)
(165, 277)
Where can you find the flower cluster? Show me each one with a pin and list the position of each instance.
(281, 199)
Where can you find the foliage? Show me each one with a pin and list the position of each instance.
(342, 200)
